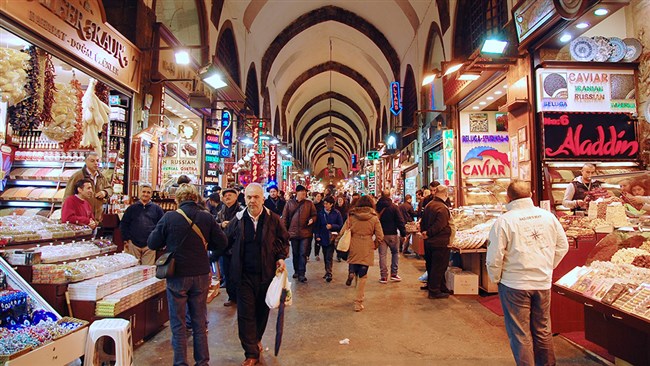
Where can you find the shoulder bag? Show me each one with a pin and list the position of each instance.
(166, 264)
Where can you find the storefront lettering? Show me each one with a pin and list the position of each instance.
(88, 30)
(487, 168)
(557, 104)
(589, 88)
(484, 139)
(573, 146)
(588, 77)
(623, 105)
(562, 121)
(584, 97)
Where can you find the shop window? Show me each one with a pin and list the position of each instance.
(227, 53)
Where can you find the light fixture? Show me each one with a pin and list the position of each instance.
(469, 76)
(182, 57)
(475, 107)
(284, 151)
(252, 151)
(489, 98)
(601, 11)
(582, 25)
(430, 77)
(247, 141)
(247, 158)
(211, 76)
(565, 38)
(454, 68)
(274, 141)
(482, 103)
(498, 92)
(330, 140)
(288, 155)
(493, 45)
(306, 172)
(241, 162)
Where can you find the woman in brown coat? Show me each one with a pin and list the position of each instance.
(366, 231)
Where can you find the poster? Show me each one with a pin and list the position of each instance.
(502, 122)
(478, 122)
(514, 157)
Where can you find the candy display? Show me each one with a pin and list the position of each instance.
(32, 228)
(74, 250)
(81, 270)
(474, 237)
(613, 213)
(64, 114)
(125, 299)
(627, 255)
(12, 75)
(99, 287)
(24, 114)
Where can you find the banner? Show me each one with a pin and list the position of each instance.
(273, 164)
(589, 136)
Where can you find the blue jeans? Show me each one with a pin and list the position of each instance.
(392, 242)
(527, 315)
(183, 294)
(299, 252)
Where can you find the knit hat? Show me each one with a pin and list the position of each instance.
(300, 187)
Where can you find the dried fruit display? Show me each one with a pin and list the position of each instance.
(95, 115)
(627, 255)
(64, 113)
(49, 88)
(13, 75)
(74, 141)
(642, 261)
(23, 116)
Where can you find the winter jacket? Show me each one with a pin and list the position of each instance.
(76, 211)
(138, 222)
(276, 206)
(391, 218)
(363, 223)
(101, 184)
(228, 213)
(296, 216)
(526, 244)
(321, 231)
(343, 209)
(275, 244)
(406, 209)
(190, 254)
(436, 223)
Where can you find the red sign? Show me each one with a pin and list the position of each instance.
(589, 135)
(273, 163)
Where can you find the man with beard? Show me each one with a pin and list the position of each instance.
(275, 202)
(259, 245)
(299, 216)
(230, 208)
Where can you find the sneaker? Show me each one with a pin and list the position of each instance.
(328, 278)
(395, 278)
(424, 277)
(383, 280)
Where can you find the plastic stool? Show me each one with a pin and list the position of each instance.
(117, 329)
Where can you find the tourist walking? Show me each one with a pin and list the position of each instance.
(329, 221)
(299, 216)
(391, 221)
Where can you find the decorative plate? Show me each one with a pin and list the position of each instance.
(583, 49)
(604, 50)
(619, 49)
(634, 49)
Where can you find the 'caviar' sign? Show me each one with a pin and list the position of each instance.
(585, 136)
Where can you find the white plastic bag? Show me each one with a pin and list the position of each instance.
(274, 292)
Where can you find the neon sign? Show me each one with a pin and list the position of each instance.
(212, 148)
(273, 163)
(226, 134)
(395, 98)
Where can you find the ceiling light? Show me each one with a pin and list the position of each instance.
(174, 110)
(288, 155)
(494, 46)
(475, 107)
(489, 98)
(505, 87)
(482, 103)
(247, 141)
(582, 25)
(182, 57)
(428, 79)
(283, 151)
(274, 141)
(306, 172)
(601, 11)
(565, 38)
(470, 76)
(211, 76)
(454, 68)
(498, 92)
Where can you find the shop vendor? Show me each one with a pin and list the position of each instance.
(576, 191)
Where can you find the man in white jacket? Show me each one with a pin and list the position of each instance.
(526, 244)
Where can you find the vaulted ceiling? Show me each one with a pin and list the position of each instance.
(324, 65)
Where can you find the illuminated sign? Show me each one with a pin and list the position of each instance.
(586, 90)
(257, 133)
(273, 163)
(448, 157)
(372, 155)
(486, 161)
(395, 98)
(212, 150)
(484, 139)
(354, 162)
(589, 136)
(226, 134)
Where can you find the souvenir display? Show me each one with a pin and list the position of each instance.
(81, 270)
(634, 49)
(619, 49)
(583, 49)
(603, 49)
(120, 301)
(22, 229)
(97, 288)
(473, 238)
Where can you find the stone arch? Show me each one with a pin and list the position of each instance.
(215, 12)
(276, 122)
(340, 141)
(344, 158)
(326, 114)
(227, 53)
(384, 125)
(341, 98)
(322, 146)
(252, 90)
(335, 133)
(325, 67)
(409, 105)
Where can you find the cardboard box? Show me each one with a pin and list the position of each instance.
(462, 283)
(486, 284)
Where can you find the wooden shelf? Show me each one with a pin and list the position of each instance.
(514, 105)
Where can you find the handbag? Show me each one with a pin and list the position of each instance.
(344, 241)
(166, 264)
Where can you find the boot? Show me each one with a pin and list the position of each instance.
(361, 286)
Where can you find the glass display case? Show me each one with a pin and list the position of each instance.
(31, 331)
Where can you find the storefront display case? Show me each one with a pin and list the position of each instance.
(612, 291)
(33, 333)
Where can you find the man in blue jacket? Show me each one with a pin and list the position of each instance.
(138, 222)
(329, 220)
(260, 244)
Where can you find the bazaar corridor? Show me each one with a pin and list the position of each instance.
(399, 326)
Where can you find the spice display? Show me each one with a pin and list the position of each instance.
(13, 75)
(49, 89)
(627, 255)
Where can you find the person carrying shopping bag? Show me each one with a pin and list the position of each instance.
(363, 223)
(329, 221)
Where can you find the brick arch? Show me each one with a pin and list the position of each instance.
(322, 15)
(344, 158)
(326, 114)
(322, 146)
(266, 107)
(325, 67)
(276, 122)
(340, 141)
(252, 90)
(435, 33)
(341, 98)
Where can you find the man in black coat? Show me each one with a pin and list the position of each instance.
(230, 208)
(260, 244)
(408, 214)
(275, 202)
(436, 231)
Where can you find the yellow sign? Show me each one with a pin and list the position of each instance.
(80, 28)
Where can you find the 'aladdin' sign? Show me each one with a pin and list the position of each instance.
(585, 136)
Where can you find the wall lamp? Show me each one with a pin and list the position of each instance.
(447, 68)
(212, 76)
(181, 53)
